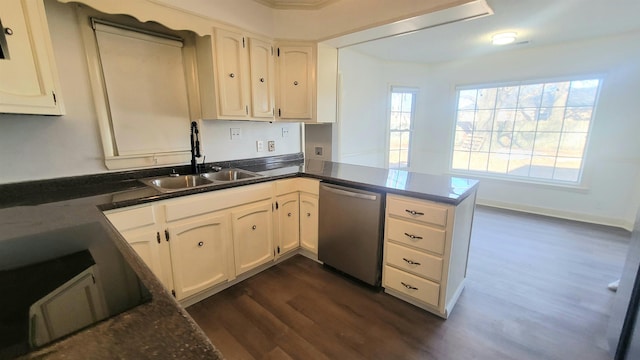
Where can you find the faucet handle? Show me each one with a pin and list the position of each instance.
(174, 173)
(216, 168)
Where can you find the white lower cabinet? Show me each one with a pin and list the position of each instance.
(199, 253)
(426, 247)
(309, 222)
(288, 216)
(252, 235)
(145, 234)
(199, 244)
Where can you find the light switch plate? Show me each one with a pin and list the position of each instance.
(260, 146)
(285, 132)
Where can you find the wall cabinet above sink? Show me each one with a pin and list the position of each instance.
(235, 74)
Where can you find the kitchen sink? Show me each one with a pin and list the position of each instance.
(228, 175)
(175, 183)
(185, 182)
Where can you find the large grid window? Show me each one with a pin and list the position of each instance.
(534, 131)
(400, 126)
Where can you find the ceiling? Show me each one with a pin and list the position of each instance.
(537, 22)
(295, 4)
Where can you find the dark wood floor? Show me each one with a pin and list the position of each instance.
(536, 289)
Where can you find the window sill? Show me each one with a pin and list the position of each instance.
(147, 160)
(578, 188)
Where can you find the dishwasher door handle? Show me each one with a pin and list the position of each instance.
(350, 193)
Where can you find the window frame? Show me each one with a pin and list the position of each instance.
(112, 159)
(401, 89)
(583, 176)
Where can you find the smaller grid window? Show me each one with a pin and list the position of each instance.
(400, 126)
(536, 131)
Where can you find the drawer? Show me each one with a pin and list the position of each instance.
(411, 285)
(128, 219)
(422, 237)
(413, 261)
(426, 212)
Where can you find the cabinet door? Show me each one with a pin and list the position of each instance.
(261, 63)
(252, 236)
(231, 64)
(309, 222)
(288, 222)
(295, 76)
(50, 316)
(27, 67)
(199, 253)
(147, 245)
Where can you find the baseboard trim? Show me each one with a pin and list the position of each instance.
(567, 215)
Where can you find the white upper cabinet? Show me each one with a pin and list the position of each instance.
(307, 82)
(27, 68)
(231, 68)
(235, 76)
(262, 69)
(295, 82)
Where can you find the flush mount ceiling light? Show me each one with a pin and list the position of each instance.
(503, 38)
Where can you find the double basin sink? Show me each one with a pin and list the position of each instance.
(183, 182)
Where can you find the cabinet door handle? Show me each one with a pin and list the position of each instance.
(413, 212)
(201, 244)
(408, 286)
(308, 214)
(253, 227)
(289, 214)
(410, 262)
(261, 80)
(232, 75)
(413, 237)
(295, 83)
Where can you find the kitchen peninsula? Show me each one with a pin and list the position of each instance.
(161, 326)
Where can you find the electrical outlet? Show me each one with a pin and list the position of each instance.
(318, 150)
(271, 145)
(235, 133)
(260, 146)
(285, 132)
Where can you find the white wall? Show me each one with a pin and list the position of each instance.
(43, 147)
(612, 167)
(218, 146)
(363, 107)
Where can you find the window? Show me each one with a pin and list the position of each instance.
(138, 73)
(400, 126)
(534, 131)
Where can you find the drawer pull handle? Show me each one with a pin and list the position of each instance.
(201, 244)
(413, 237)
(408, 286)
(410, 262)
(413, 212)
(254, 227)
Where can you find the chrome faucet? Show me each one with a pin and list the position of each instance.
(195, 147)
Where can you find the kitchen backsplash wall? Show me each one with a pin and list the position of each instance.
(318, 144)
(217, 144)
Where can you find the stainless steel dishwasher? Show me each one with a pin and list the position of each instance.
(350, 231)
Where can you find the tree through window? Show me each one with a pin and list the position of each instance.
(536, 131)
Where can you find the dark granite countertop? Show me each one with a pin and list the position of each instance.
(161, 328)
